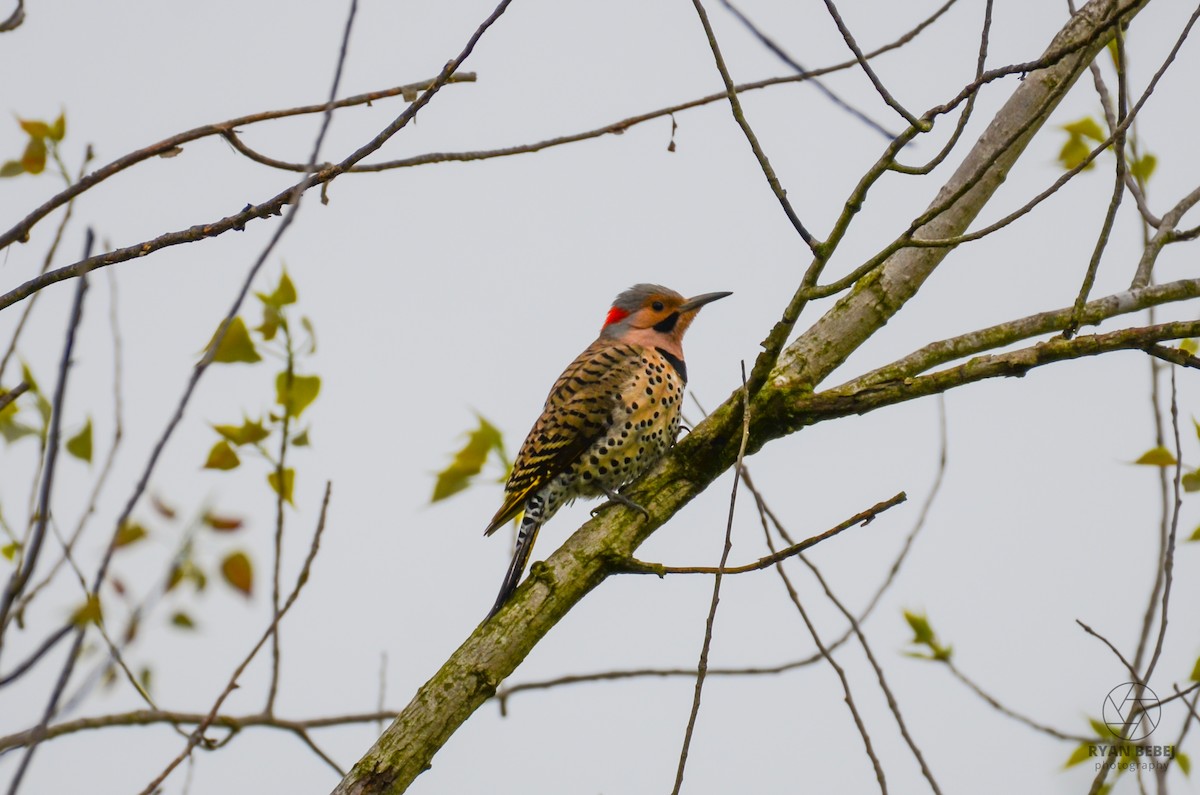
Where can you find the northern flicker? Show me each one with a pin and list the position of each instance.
(609, 416)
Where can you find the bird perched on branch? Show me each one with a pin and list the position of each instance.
(609, 416)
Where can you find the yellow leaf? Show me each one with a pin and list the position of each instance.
(236, 345)
(468, 461)
(1157, 457)
(88, 613)
(222, 456)
(289, 480)
(296, 396)
(130, 533)
(237, 571)
(80, 445)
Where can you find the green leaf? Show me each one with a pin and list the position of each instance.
(289, 481)
(1189, 346)
(129, 533)
(312, 334)
(1087, 127)
(11, 168)
(222, 456)
(301, 439)
(35, 128)
(923, 635)
(238, 573)
(182, 620)
(88, 613)
(284, 294)
(145, 677)
(1079, 755)
(1143, 168)
(1185, 762)
(58, 130)
(236, 346)
(222, 524)
(1074, 152)
(468, 461)
(1157, 457)
(1196, 671)
(9, 550)
(33, 159)
(1191, 481)
(297, 396)
(247, 433)
(272, 320)
(80, 445)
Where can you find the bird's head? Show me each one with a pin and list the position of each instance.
(652, 315)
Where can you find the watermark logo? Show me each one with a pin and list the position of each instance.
(1131, 711)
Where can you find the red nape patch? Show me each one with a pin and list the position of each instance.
(615, 316)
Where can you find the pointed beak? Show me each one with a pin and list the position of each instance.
(695, 303)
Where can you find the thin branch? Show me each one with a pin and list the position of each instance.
(29, 556)
(827, 655)
(1164, 520)
(783, 55)
(702, 667)
(47, 261)
(968, 109)
(735, 106)
(168, 146)
(1003, 710)
(198, 735)
(150, 717)
(848, 37)
(280, 491)
(864, 518)
(1119, 175)
(1117, 652)
(13, 394)
(1169, 556)
(1165, 233)
(27, 664)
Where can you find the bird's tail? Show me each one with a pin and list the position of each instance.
(525, 538)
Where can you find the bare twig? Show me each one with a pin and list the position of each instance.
(47, 261)
(702, 667)
(20, 232)
(963, 117)
(740, 117)
(783, 55)
(198, 735)
(1003, 710)
(234, 723)
(1120, 172)
(13, 394)
(827, 655)
(1117, 652)
(863, 518)
(848, 37)
(1169, 554)
(30, 556)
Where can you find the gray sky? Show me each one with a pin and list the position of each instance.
(450, 288)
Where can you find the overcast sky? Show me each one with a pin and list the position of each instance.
(453, 288)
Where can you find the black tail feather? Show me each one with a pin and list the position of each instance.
(512, 578)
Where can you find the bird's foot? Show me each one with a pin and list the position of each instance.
(616, 497)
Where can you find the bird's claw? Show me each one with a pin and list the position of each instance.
(620, 499)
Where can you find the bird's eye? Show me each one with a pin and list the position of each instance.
(657, 306)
